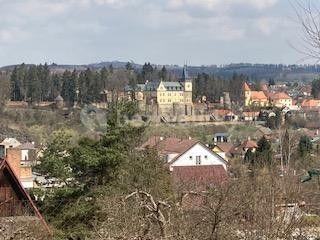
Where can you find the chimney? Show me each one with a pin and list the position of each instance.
(14, 160)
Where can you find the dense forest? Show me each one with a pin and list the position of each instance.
(37, 83)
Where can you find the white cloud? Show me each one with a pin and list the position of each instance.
(211, 4)
(267, 25)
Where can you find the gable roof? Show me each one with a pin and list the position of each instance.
(224, 147)
(310, 103)
(246, 87)
(279, 96)
(4, 165)
(259, 95)
(249, 144)
(204, 146)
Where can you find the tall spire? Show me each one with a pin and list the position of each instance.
(185, 75)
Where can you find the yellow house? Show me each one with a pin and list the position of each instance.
(254, 98)
(280, 99)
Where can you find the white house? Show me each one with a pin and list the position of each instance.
(195, 154)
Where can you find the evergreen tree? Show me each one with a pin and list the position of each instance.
(264, 152)
(304, 146)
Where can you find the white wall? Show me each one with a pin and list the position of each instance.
(198, 150)
(24, 155)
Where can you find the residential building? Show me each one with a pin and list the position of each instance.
(280, 99)
(254, 98)
(21, 160)
(308, 104)
(15, 201)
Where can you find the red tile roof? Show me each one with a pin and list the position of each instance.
(200, 175)
(279, 95)
(225, 147)
(249, 144)
(310, 103)
(168, 145)
(258, 95)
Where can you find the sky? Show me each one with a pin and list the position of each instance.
(201, 32)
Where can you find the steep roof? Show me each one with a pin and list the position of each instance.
(225, 146)
(310, 103)
(260, 95)
(249, 144)
(173, 86)
(246, 87)
(5, 166)
(190, 145)
(279, 95)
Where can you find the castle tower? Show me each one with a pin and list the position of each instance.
(247, 94)
(187, 81)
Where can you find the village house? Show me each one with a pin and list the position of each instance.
(223, 149)
(16, 202)
(188, 157)
(280, 99)
(22, 157)
(309, 104)
(250, 116)
(254, 98)
(241, 149)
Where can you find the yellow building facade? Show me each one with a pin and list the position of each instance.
(166, 93)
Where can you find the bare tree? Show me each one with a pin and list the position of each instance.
(308, 15)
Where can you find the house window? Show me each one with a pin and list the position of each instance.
(198, 160)
(205, 157)
(190, 157)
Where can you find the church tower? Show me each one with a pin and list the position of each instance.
(186, 80)
(247, 94)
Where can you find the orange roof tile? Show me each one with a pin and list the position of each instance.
(249, 144)
(246, 87)
(279, 95)
(258, 95)
(310, 103)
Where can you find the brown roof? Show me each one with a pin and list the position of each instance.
(5, 166)
(168, 145)
(279, 95)
(181, 146)
(249, 144)
(203, 175)
(225, 147)
(310, 103)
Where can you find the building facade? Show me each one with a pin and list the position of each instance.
(165, 95)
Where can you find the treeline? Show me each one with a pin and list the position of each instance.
(213, 86)
(37, 83)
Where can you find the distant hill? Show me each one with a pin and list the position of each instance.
(279, 72)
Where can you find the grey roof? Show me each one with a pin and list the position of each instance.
(59, 98)
(221, 134)
(173, 86)
(152, 86)
(27, 146)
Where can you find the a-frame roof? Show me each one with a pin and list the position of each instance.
(4, 165)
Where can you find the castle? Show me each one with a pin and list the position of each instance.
(166, 97)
